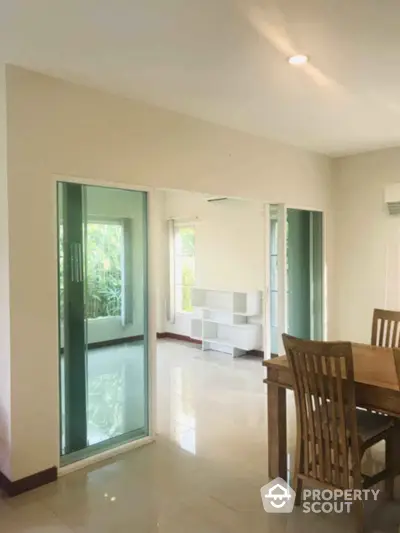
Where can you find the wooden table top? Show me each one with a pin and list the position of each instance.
(372, 365)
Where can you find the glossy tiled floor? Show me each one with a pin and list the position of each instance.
(203, 475)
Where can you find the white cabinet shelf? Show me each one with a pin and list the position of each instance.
(218, 340)
(240, 303)
(223, 324)
(196, 328)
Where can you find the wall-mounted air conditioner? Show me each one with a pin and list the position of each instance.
(392, 198)
(216, 198)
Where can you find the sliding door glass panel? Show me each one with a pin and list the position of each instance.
(72, 318)
(305, 274)
(298, 262)
(116, 288)
(317, 276)
(103, 318)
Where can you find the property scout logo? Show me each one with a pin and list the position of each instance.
(278, 497)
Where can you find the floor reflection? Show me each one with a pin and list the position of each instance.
(116, 402)
(183, 422)
(115, 392)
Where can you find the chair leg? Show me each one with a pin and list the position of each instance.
(390, 454)
(358, 505)
(298, 483)
(358, 510)
(298, 488)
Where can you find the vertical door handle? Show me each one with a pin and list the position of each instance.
(72, 261)
(80, 261)
(76, 262)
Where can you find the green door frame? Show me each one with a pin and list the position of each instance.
(74, 318)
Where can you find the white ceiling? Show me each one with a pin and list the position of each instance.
(224, 61)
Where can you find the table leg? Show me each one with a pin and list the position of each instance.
(277, 441)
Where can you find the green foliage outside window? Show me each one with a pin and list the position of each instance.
(104, 252)
(104, 270)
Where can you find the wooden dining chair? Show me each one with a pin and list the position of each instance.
(386, 328)
(332, 435)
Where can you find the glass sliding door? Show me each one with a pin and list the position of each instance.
(298, 259)
(317, 275)
(305, 273)
(296, 275)
(102, 318)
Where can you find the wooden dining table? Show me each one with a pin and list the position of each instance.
(376, 374)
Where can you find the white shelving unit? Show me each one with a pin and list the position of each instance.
(223, 322)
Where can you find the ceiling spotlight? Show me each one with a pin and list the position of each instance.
(298, 59)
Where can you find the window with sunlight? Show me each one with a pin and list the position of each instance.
(184, 248)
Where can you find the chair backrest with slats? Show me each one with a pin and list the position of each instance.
(386, 328)
(325, 408)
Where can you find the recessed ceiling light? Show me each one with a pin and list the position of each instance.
(298, 59)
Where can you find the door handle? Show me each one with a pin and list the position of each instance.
(76, 262)
(72, 261)
(80, 261)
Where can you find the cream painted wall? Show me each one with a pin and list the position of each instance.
(230, 247)
(57, 128)
(161, 257)
(367, 246)
(5, 366)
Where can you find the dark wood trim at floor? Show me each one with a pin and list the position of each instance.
(185, 338)
(177, 337)
(162, 335)
(14, 488)
(112, 342)
(115, 342)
